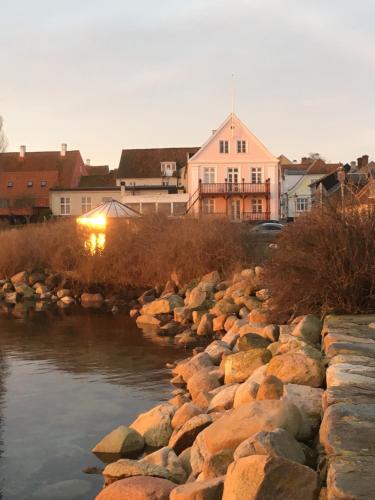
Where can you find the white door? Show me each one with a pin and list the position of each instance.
(235, 210)
(233, 179)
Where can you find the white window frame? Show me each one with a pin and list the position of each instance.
(65, 205)
(43, 183)
(10, 184)
(241, 146)
(224, 146)
(302, 204)
(209, 175)
(256, 175)
(86, 203)
(208, 206)
(29, 184)
(256, 205)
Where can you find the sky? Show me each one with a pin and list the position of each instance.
(103, 76)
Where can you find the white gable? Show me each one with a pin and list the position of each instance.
(233, 130)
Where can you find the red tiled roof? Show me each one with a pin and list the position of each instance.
(97, 169)
(106, 180)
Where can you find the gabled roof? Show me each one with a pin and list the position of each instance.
(104, 180)
(146, 163)
(313, 167)
(42, 161)
(97, 169)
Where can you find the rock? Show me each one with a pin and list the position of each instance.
(237, 425)
(262, 477)
(169, 330)
(229, 322)
(219, 322)
(170, 288)
(238, 367)
(348, 429)
(308, 399)
(122, 440)
(224, 399)
(205, 325)
(230, 338)
(94, 300)
(187, 339)
(36, 277)
(308, 329)
(64, 292)
(224, 306)
(297, 368)
(184, 437)
(196, 298)
(351, 478)
(199, 490)
(11, 297)
(127, 468)
(243, 312)
(162, 306)
(252, 303)
(24, 290)
(277, 443)
(134, 313)
(179, 400)
(182, 314)
(259, 318)
(245, 393)
(190, 366)
(216, 465)
(270, 388)
(346, 375)
(263, 294)
(167, 458)
(67, 300)
(216, 350)
(219, 295)
(271, 332)
(185, 413)
(138, 488)
(273, 348)
(19, 278)
(213, 277)
(201, 381)
(155, 425)
(146, 319)
(251, 341)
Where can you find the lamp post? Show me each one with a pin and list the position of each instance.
(341, 178)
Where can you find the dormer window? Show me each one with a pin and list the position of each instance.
(168, 168)
(29, 184)
(241, 146)
(224, 147)
(10, 184)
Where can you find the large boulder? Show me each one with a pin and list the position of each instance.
(217, 349)
(202, 381)
(165, 305)
(94, 300)
(223, 400)
(185, 413)
(167, 458)
(199, 490)
(19, 278)
(122, 440)
(297, 368)
(205, 325)
(216, 465)
(246, 392)
(182, 314)
(308, 329)
(184, 437)
(263, 477)
(251, 341)
(147, 320)
(155, 425)
(237, 425)
(127, 468)
(138, 488)
(224, 306)
(270, 388)
(277, 443)
(189, 366)
(238, 367)
(25, 290)
(259, 318)
(195, 298)
(308, 399)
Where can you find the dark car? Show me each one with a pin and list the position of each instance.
(268, 227)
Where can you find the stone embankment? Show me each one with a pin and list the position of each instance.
(244, 419)
(347, 433)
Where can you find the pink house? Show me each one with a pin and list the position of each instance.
(234, 174)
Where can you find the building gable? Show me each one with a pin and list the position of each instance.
(233, 130)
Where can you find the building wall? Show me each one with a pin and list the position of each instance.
(293, 188)
(144, 181)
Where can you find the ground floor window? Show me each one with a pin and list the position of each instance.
(256, 205)
(179, 208)
(302, 204)
(86, 204)
(208, 206)
(65, 205)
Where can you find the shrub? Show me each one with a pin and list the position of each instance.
(325, 262)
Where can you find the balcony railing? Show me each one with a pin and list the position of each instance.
(233, 188)
(243, 216)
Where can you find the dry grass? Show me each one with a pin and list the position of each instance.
(325, 262)
(140, 254)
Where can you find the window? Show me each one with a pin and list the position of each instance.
(256, 175)
(208, 206)
(209, 175)
(179, 208)
(10, 184)
(256, 205)
(302, 204)
(167, 168)
(241, 146)
(29, 184)
(86, 203)
(65, 205)
(224, 147)
(43, 184)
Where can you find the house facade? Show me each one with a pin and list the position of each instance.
(27, 177)
(234, 175)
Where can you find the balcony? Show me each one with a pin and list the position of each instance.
(241, 217)
(234, 188)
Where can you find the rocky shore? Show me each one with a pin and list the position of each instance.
(244, 419)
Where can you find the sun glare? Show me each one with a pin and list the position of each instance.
(99, 222)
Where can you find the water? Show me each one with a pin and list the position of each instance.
(67, 379)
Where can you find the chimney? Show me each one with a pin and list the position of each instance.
(364, 160)
(305, 161)
(64, 147)
(88, 162)
(22, 151)
(214, 131)
(359, 162)
(122, 184)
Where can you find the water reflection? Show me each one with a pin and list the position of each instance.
(70, 379)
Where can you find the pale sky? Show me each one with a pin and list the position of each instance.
(106, 75)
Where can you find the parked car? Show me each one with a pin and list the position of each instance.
(268, 228)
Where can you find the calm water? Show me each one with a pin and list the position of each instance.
(65, 381)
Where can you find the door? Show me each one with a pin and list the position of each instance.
(233, 179)
(235, 210)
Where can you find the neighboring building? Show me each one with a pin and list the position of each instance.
(27, 177)
(234, 174)
(295, 181)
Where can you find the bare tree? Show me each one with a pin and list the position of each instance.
(3, 138)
